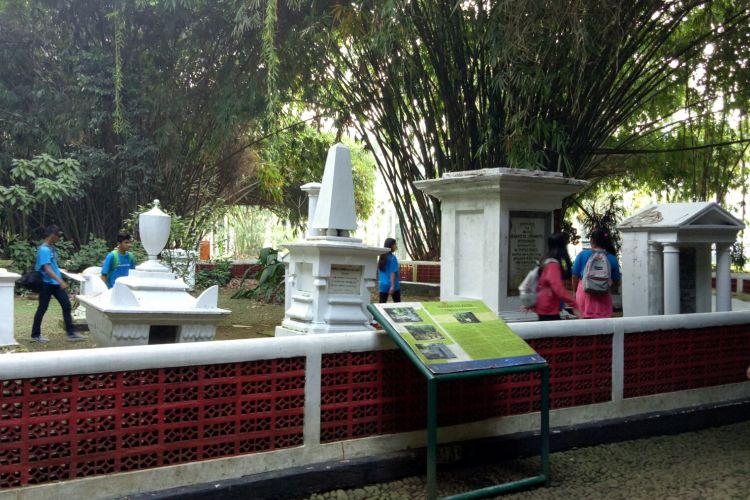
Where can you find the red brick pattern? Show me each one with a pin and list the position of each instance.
(406, 272)
(369, 393)
(59, 428)
(372, 393)
(580, 369)
(425, 273)
(428, 273)
(237, 270)
(733, 281)
(676, 360)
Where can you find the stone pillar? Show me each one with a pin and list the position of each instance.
(313, 191)
(656, 289)
(288, 282)
(7, 296)
(671, 279)
(723, 278)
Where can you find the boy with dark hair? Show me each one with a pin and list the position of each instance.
(119, 261)
(52, 285)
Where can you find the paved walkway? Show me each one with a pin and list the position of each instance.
(713, 464)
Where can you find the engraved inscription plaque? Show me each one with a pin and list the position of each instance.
(528, 231)
(345, 280)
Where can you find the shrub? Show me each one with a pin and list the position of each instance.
(270, 277)
(220, 274)
(91, 254)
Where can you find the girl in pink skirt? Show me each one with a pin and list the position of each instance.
(596, 305)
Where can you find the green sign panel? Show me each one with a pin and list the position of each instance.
(449, 337)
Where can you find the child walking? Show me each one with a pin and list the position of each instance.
(388, 274)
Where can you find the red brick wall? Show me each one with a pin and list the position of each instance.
(237, 270)
(675, 360)
(425, 272)
(381, 392)
(58, 428)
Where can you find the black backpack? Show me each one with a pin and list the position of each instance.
(31, 280)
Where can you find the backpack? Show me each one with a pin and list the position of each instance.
(597, 274)
(116, 260)
(31, 280)
(527, 288)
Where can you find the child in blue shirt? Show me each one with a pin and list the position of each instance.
(388, 274)
(118, 262)
(52, 286)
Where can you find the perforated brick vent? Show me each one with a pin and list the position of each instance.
(59, 428)
(676, 360)
(381, 392)
(419, 272)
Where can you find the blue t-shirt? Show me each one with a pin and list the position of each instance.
(580, 264)
(112, 272)
(46, 254)
(384, 276)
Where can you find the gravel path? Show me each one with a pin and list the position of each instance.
(710, 464)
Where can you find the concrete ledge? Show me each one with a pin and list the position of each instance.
(301, 481)
(420, 289)
(106, 360)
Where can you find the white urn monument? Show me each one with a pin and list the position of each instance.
(151, 304)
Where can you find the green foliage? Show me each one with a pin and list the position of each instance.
(152, 98)
(737, 256)
(246, 226)
(23, 255)
(568, 228)
(270, 279)
(34, 185)
(577, 87)
(605, 219)
(297, 156)
(91, 254)
(220, 274)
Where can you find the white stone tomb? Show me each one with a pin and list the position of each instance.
(7, 298)
(494, 227)
(666, 258)
(151, 305)
(330, 274)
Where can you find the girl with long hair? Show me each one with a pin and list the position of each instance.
(388, 274)
(596, 305)
(550, 290)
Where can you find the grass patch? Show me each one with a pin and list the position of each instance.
(249, 319)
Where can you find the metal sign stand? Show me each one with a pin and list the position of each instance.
(432, 423)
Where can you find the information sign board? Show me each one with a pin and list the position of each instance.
(450, 337)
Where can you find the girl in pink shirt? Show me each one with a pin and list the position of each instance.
(550, 289)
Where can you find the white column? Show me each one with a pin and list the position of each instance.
(288, 283)
(723, 278)
(7, 297)
(671, 279)
(656, 287)
(313, 191)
